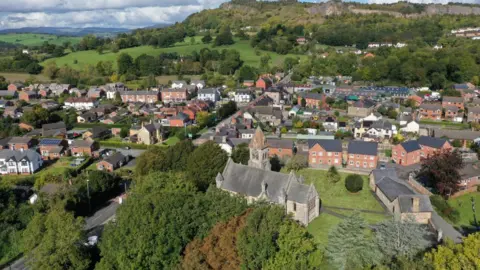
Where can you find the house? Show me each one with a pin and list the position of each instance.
(112, 162)
(410, 127)
(25, 126)
(246, 133)
(209, 94)
(249, 83)
(53, 148)
(83, 148)
(264, 114)
(473, 114)
(362, 155)
(283, 149)
(96, 93)
(19, 162)
(398, 198)
(312, 100)
(15, 87)
(301, 41)
(111, 120)
(50, 105)
(263, 83)
(111, 89)
(407, 153)
(58, 89)
(323, 153)
(21, 143)
(13, 112)
(256, 184)
(432, 145)
(81, 103)
(453, 101)
(87, 117)
(381, 129)
(174, 95)
(179, 84)
(180, 120)
(58, 129)
(150, 134)
(5, 94)
(243, 96)
(432, 111)
(200, 84)
(97, 132)
(452, 113)
(27, 96)
(275, 94)
(140, 96)
(77, 92)
(361, 108)
(330, 124)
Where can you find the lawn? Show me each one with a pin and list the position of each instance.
(14, 77)
(247, 53)
(171, 141)
(463, 205)
(37, 39)
(445, 124)
(320, 227)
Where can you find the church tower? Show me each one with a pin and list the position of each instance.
(259, 151)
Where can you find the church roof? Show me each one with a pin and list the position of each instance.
(255, 182)
(258, 141)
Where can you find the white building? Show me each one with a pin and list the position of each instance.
(179, 84)
(200, 84)
(411, 127)
(210, 94)
(81, 103)
(19, 162)
(243, 96)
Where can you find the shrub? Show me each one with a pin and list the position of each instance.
(444, 208)
(354, 183)
(332, 175)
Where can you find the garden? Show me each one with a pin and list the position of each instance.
(458, 211)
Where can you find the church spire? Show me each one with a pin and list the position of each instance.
(258, 141)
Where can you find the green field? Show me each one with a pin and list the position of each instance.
(37, 39)
(21, 77)
(247, 53)
(463, 205)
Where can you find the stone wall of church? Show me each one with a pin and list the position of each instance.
(298, 210)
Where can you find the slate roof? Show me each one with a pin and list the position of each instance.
(363, 104)
(82, 143)
(392, 188)
(406, 202)
(245, 180)
(98, 131)
(315, 96)
(115, 158)
(138, 93)
(8, 154)
(237, 141)
(460, 86)
(456, 134)
(328, 145)
(15, 140)
(451, 108)
(411, 146)
(431, 106)
(453, 99)
(363, 148)
(279, 143)
(208, 91)
(382, 124)
(57, 125)
(431, 142)
(473, 110)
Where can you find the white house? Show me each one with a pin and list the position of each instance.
(373, 117)
(243, 96)
(25, 51)
(330, 124)
(81, 103)
(411, 127)
(211, 94)
(179, 84)
(200, 84)
(19, 162)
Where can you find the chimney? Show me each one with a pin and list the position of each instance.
(415, 204)
(264, 187)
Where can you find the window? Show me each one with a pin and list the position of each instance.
(24, 163)
(403, 154)
(279, 149)
(320, 154)
(358, 164)
(314, 160)
(329, 154)
(11, 163)
(351, 162)
(358, 156)
(364, 164)
(372, 157)
(294, 207)
(329, 161)
(336, 154)
(351, 156)
(314, 154)
(371, 164)
(336, 161)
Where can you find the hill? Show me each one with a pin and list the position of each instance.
(66, 31)
(36, 39)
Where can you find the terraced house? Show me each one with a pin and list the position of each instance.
(432, 111)
(325, 153)
(19, 162)
(362, 155)
(411, 152)
(172, 95)
(453, 101)
(140, 96)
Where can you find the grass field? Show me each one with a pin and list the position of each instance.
(37, 39)
(463, 205)
(92, 57)
(14, 77)
(445, 124)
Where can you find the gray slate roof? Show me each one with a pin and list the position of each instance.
(406, 202)
(8, 154)
(453, 99)
(411, 146)
(431, 106)
(392, 188)
(15, 140)
(115, 158)
(245, 180)
(431, 142)
(328, 145)
(279, 143)
(363, 148)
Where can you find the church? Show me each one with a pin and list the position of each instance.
(257, 182)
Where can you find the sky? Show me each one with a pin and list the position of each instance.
(114, 13)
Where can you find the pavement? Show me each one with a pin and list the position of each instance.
(94, 226)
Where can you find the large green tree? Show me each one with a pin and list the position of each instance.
(450, 256)
(205, 163)
(124, 63)
(241, 154)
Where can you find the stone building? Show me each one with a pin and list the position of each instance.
(259, 151)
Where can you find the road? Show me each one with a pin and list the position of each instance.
(131, 152)
(99, 218)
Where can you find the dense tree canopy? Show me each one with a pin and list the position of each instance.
(205, 163)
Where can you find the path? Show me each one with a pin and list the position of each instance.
(359, 210)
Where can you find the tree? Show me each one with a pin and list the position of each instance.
(124, 132)
(34, 68)
(153, 159)
(225, 37)
(118, 99)
(296, 249)
(247, 72)
(354, 183)
(3, 82)
(289, 63)
(256, 241)
(227, 109)
(99, 50)
(332, 175)
(55, 240)
(452, 256)
(124, 63)
(51, 70)
(207, 38)
(178, 155)
(297, 162)
(349, 247)
(401, 238)
(205, 163)
(241, 154)
(205, 119)
(442, 171)
(276, 164)
(303, 102)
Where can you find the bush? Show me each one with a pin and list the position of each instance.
(354, 183)
(445, 209)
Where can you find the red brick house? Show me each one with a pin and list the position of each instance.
(112, 162)
(44, 92)
(473, 114)
(281, 148)
(432, 111)
(21, 143)
(325, 153)
(313, 100)
(27, 96)
(453, 101)
(249, 83)
(53, 148)
(140, 96)
(15, 87)
(362, 155)
(411, 152)
(451, 112)
(417, 99)
(83, 148)
(263, 83)
(174, 95)
(179, 120)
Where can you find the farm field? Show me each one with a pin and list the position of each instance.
(247, 53)
(13, 77)
(37, 39)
